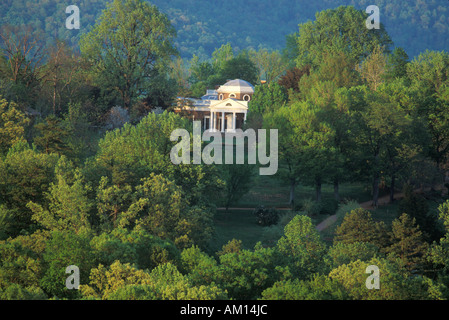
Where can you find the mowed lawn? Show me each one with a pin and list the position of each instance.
(236, 224)
(240, 223)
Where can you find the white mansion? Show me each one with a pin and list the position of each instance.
(223, 109)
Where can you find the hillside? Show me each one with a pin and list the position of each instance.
(204, 25)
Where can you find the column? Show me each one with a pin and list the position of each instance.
(233, 121)
(222, 121)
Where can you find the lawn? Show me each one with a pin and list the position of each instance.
(236, 224)
(269, 191)
(240, 223)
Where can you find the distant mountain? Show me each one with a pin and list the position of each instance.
(203, 25)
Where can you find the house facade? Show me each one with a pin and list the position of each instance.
(223, 109)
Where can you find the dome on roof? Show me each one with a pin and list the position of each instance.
(236, 86)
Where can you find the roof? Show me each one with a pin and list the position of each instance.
(236, 86)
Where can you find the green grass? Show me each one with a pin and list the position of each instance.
(272, 192)
(236, 224)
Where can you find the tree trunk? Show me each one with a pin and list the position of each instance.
(392, 185)
(376, 180)
(318, 189)
(336, 190)
(292, 192)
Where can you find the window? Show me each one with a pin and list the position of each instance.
(220, 97)
(232, 95)
(246, 97)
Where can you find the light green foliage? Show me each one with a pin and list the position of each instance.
(12, 125)
(270, 64)
(165, 282)
(244, 274)
(21, 264)
(62, 250)
(340, 29)
(407, 243)
(301, 244)
(394, 285)
(25, 175)
(128, 45)
(68, 206)
(359, 226)
(268, 98)
(319, 287)
(443, 211)
(429, 73)
(201, 268)
(137, 247)
(343, 253)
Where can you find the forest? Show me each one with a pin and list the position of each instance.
(204, 25)
(86, 178)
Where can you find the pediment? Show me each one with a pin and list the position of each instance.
(230, 104)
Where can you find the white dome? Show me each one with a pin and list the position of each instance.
(236, 86)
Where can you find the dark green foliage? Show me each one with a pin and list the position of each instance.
(51, 137)
(416, 207)
(412, 26)
(62, 250)
(266, 216)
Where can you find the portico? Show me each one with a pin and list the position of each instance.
(227, 115)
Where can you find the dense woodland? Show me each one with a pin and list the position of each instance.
(86, 177)
(204, 25)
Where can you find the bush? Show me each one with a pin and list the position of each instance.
(328, 206)
(266, 216)
(310, 207)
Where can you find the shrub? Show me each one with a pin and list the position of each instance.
(328, 206)
(266, 216)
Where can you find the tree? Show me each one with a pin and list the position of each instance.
(52, 136)
(239, 67)
(358, 226)
(69, 206)
(12, 125)
(407, 243)
(267, 98)
(373, 68)
(340, 29)
(165, 282)
(417, 208)
(25, 175)
(270, 64)
(290, 80)
(246, 273)
(429, 73)
(302, 245)
(320, 287)
(397, 63)
(394, 284)
(130, 44)
(60, 74)
(64, 249)
(24, 52)
(237, 178)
